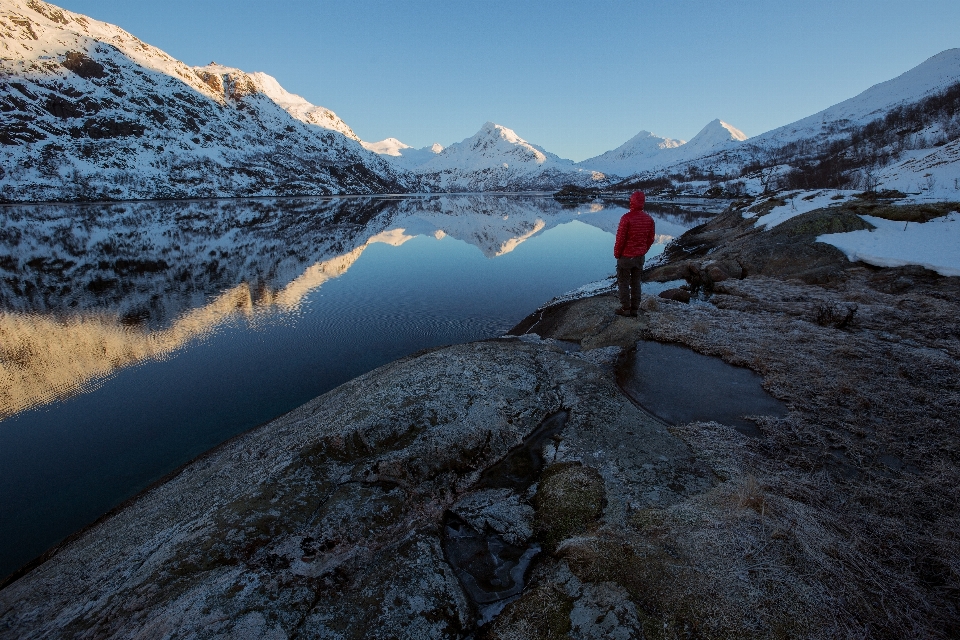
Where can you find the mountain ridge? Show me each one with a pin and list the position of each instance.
(496, 158)
(90, 112)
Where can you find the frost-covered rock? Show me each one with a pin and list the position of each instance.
(328, 522)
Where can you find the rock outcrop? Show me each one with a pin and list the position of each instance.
(332, 521)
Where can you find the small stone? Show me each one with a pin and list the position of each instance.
(717, 274)
(679, 295)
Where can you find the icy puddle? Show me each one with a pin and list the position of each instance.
(491, 568)
(680, 385)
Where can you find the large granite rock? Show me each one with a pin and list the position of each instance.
(333, 521)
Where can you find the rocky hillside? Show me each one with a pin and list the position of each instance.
(89, 112)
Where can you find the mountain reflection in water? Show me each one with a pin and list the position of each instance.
(230, 299)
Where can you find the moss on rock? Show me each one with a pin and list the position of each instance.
(541, 613)
(569, 501)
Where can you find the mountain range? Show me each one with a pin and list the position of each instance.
(90, 112)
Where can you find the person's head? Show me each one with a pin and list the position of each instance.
(637, 200)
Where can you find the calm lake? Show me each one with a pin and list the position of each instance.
(135, 336)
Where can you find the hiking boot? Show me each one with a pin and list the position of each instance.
(623, 312)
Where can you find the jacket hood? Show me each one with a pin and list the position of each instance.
(637, 200)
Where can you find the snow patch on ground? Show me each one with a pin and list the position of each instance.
(800, 203)
(934, 244)
(587, 290)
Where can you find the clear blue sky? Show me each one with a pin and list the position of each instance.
(575, 76)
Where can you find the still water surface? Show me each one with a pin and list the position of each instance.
(135, 336)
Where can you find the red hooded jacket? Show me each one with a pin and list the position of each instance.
(635, 234)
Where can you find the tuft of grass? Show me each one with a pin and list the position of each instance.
(569, 502)
(541, 613)
(826, 314)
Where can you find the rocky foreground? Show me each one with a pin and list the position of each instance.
(418, 499)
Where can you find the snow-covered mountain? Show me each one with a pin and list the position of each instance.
(931, 76)
(293, 104)
(636, 154)
(647, 151)
(403, 154)
(497, 159)
(900, 134)
(88, 111)
(716, 136)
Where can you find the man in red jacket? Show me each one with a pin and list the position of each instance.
(634, 239)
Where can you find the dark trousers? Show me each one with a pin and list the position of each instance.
(629, 271)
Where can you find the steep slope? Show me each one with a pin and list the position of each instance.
(636, 154)
(900, 134)
(497, 159)
(931, 76)
(293, 104)
(401, 154)
(88, 111)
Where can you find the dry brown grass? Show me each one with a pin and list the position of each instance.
(842, 520)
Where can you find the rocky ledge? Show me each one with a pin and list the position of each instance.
(510, 489)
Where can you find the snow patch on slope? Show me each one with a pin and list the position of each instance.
(933, 244)
(800, 203)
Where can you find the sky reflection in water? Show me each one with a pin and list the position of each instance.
(136, 336)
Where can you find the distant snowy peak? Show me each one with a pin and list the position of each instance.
(497, 159)
(234, 84)
(493, 146)
(403, 154)
(647, 151)
(716, 134)
(931, 76)
(632, 156)
(387, 147)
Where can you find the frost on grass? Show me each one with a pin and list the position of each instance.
(841, 520)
